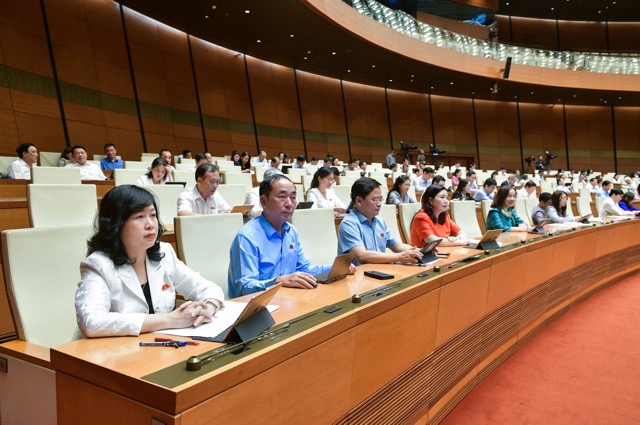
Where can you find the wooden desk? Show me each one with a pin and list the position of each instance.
(406, 357)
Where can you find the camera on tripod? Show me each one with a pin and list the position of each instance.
(404, 147)
(550, 156)
(529, 160)
(435, 151)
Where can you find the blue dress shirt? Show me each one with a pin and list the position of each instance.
(105, 164)
(602, 193)
(356, 230)
(482, 195)
(498, 219)
(260, 254)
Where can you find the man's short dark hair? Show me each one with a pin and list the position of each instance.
(427, 170)
(23, 148)
(530, 183)
(199, 157)
(606, 183)
(108, 145)
(204, 169)
(300, 158)
(490, 182)
(73, 149)
(266, 186)
(186, 152)
(438, 179)
(362, 187)
(616, 191)
(544, 197)
(470, 173)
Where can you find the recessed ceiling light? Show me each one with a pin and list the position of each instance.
(213, 6)
(432, 87)
(451, 83)
(575, 95)
(390, 80)
(531, 92)
(348, 70)
(259, 41)
(373, 66)
(333, 53)
(206, 16)
(305, 58)
(247, 11)
(291, 35)
(412, 75)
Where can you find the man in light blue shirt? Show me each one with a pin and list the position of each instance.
(110, 161)
(267, 250)
(603, 192)
(366, 235)
(486, 193)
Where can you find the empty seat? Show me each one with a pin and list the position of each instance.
(234, 194)
(521, 210)
(126, 176)
(138, 165)
(52, 205)
(167, 200)
(239, 178)
(463, 213)
(317, 231)
(189, 177)
(583, 206)
(49, 159)
(204, 241)
(55, 175)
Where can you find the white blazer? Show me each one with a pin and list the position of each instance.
(110, 301)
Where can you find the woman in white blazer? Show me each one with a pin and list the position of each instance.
(129, 280)
(321, 193)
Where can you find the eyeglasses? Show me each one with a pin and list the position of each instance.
(377, 200)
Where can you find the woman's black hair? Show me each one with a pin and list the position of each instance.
(427, 205)
(396, 186)
(362, 188)
(115, 209)
(246, 166)
(154, 164)
(628, 197)
(462, 185)
(321, 173)
(555, 201)
(65, 152)
(501, 196)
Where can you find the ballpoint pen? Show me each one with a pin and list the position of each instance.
(176, 340)
(175, 344)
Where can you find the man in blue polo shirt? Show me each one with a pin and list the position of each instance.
(110, 162)
(267, 250)
(366, 235)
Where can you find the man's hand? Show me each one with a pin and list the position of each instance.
(298, 280)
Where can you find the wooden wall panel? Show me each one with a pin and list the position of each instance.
(410, 118)
(583, 36)
(453, 125)
(539, 33)
(542, 128)
(323, 115)
(590, 138)
(498, 135)
(368, 121)
(624, 36)
(627, 122)
(276, 107)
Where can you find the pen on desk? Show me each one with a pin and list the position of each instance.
(164, 344)
(176, 340)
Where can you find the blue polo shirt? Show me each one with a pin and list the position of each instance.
(105, 164)
(357, 230)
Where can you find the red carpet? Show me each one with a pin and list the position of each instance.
(583, 369)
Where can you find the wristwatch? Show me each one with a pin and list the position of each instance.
(215, 306)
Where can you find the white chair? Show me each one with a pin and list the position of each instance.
(184, 166)
(204, 241)
(296, 175)
(306, 182)
(167, 200)
(347, 180)
(317, 231)
(42, 297)
(584, 192)
(389, 213)
(148, 156)
(521, 210)
(239, 178)
(224, 163)
(189, 177)
(583, 205)
(190, 162)
(599, 201)
(229, 168)
(53, 205)
(530, 204)
(138, 165)
(343, 192)
(260, 172)
(99, 157)
(55, 175)
(48, 159)
(6, 161)
(234, 194)
(406, 212)
(463, 213)
(123, 176)
(486, 207)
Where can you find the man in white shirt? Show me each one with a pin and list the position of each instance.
(561, 186)
(528, 191)
(203, 198)
(21, 167)
(422, 183)
(88, 171)
(261, 159)
(275, 163)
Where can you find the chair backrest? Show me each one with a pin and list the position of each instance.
(138, 165)
(584, 192)
(486, 207)
(530, 204)
(306, 182)
(49, 159)
(6, 161)
(126, 176)
(239, 178)
(53, 205)
(296, 175)
(167, 200)
(347, 180)
(42, 297)
(342, 192)
(204, 241)
(189, 177)
(599, 202)
(190, 162)
(583, 205)
(260, 172)
(463, 213)
(148, 156)
(521, 210)
(406, 212)
(389, 214)
(55, 175)
(184, 166)
(224, 163)
(229, 167)
(317, 231)
(234, 194)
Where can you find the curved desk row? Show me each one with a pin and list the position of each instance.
(407, 354)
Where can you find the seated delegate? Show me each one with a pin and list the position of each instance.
(502, 214)
(433, 222)
(203, 198)
(399, 194)
(88, 171)
(558, 211)
(463, 191)
(367, 235)
(267, 250)
(486, 193)
(626, 203)
(610, 208)
(539, 212)
(158, 173)
(320, 192)
(129, 279)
